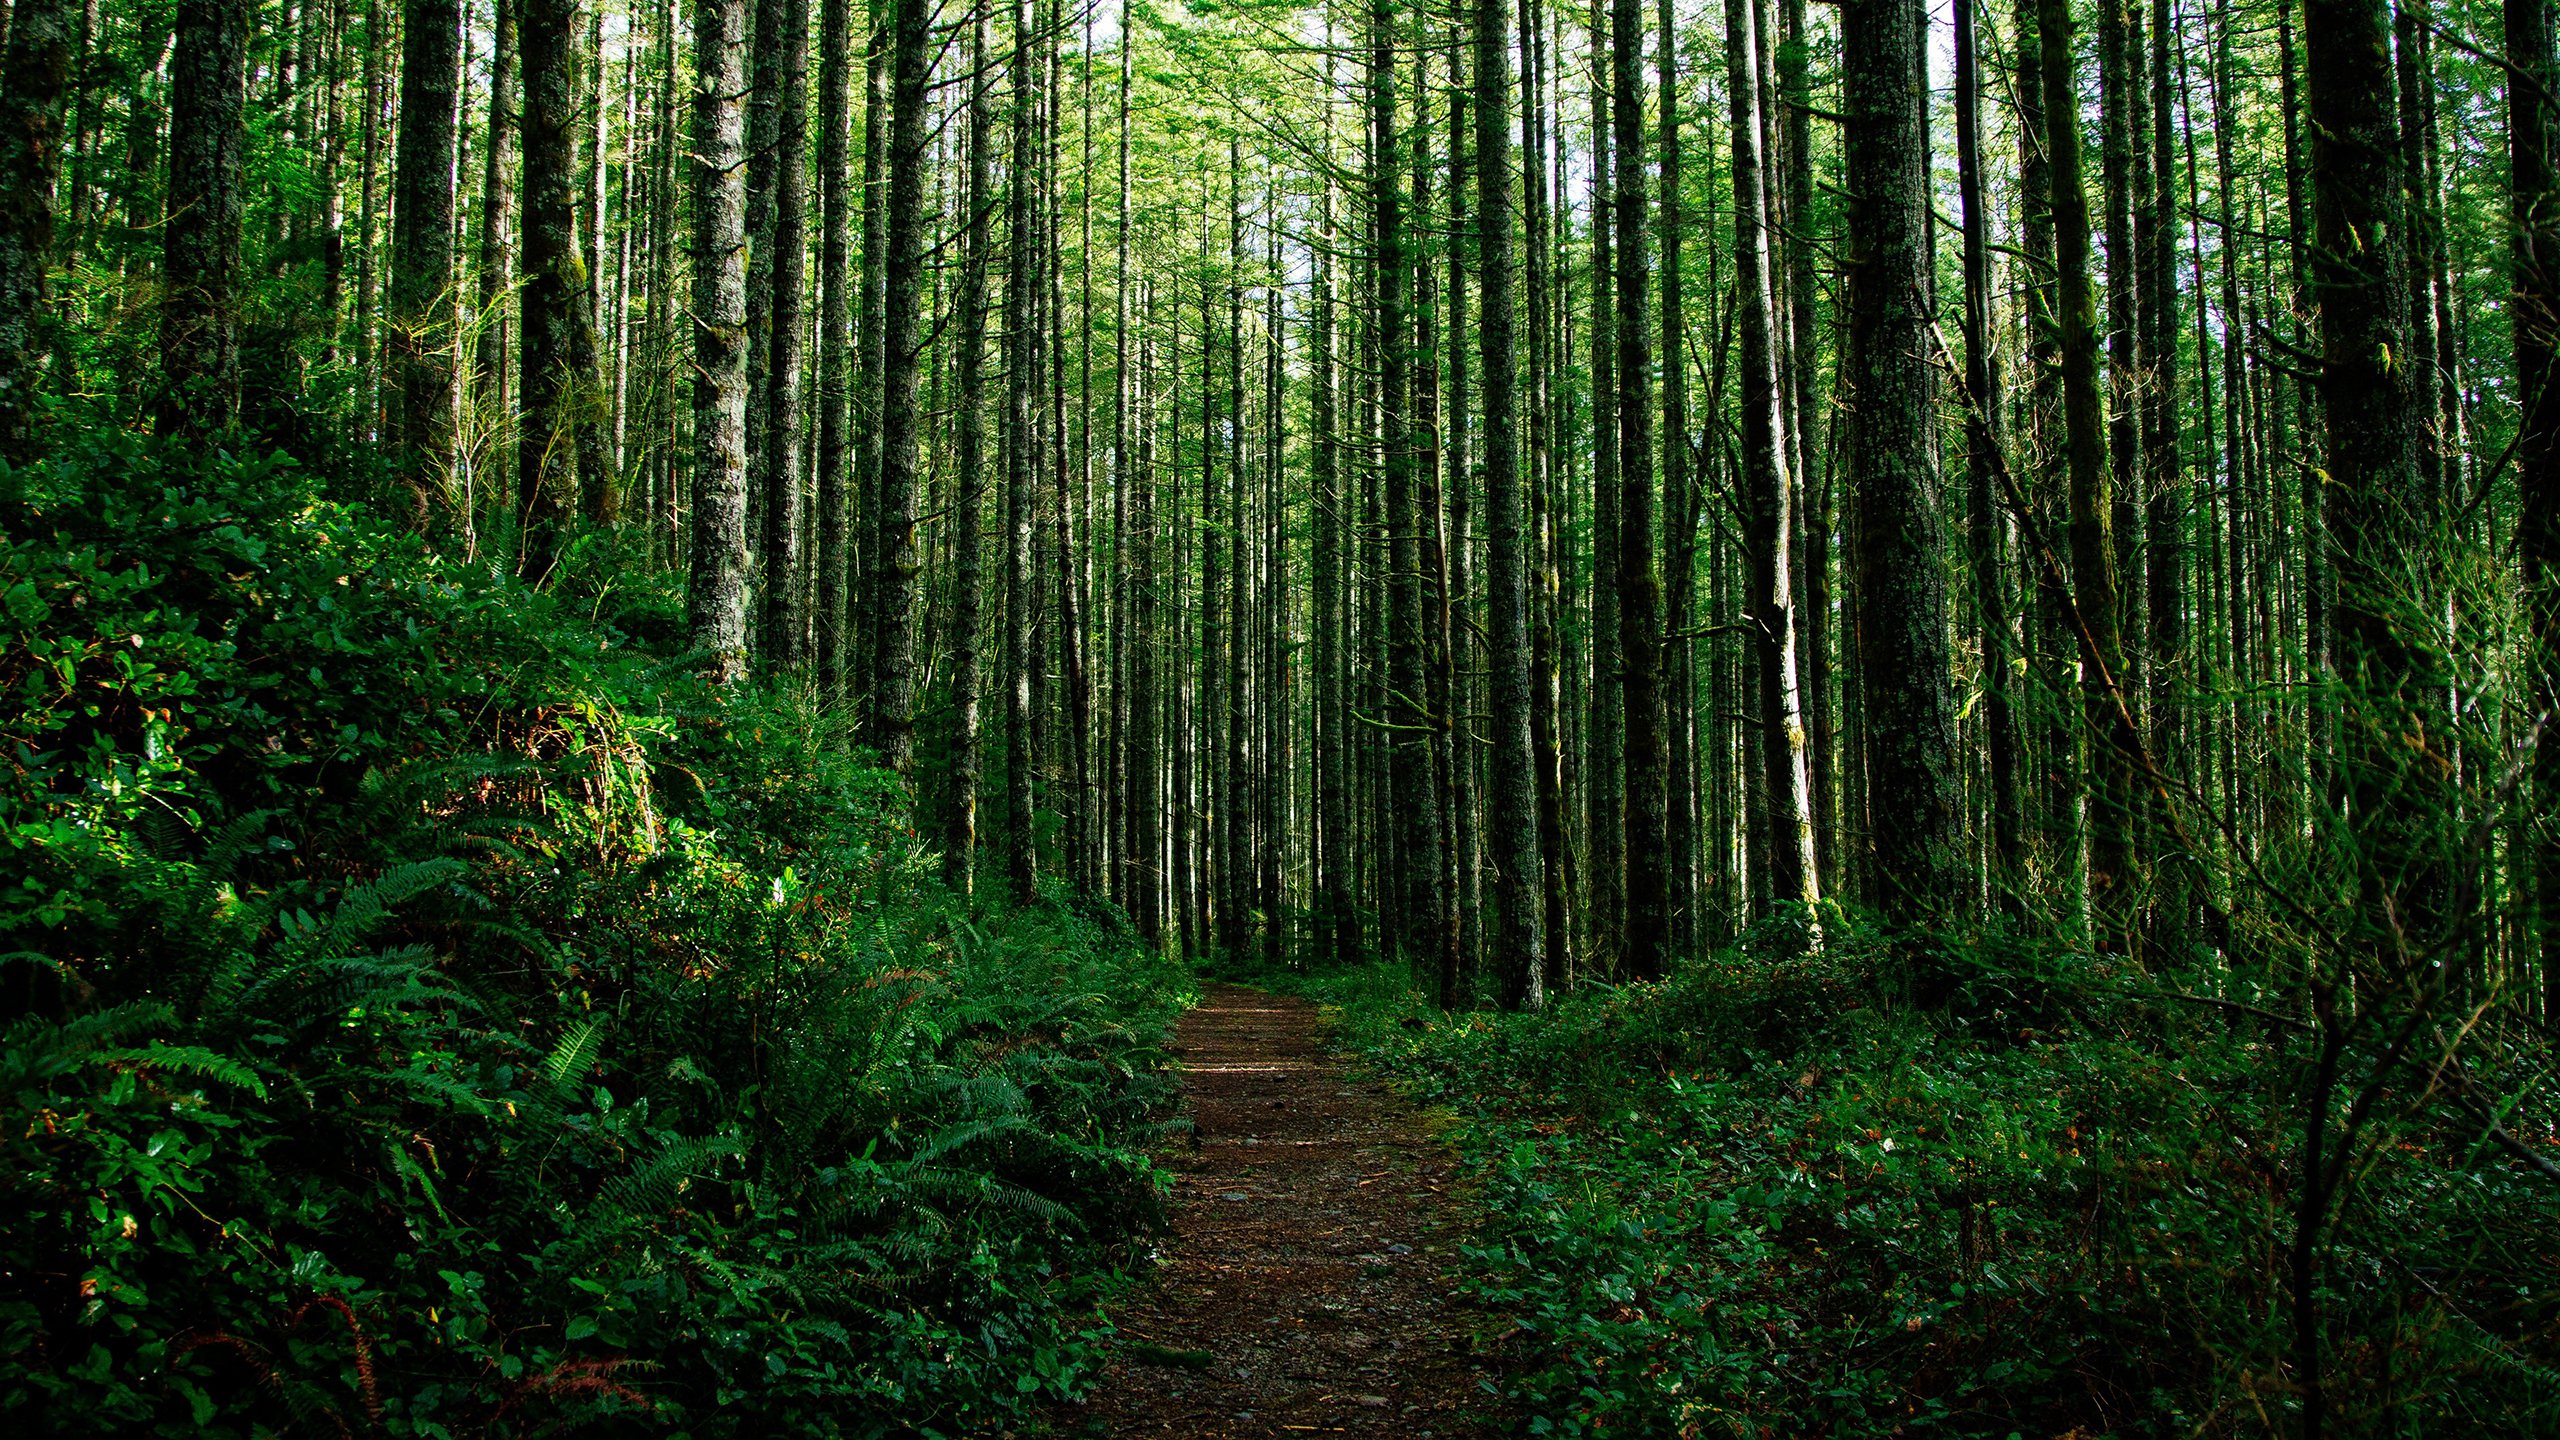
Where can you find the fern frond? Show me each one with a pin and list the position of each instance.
(970, 1188)
(35, 1050)
(330, 988)
(366, 906)
(652, 1188)
(435, 1086)
(575, 1053)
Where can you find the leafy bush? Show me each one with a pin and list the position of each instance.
(1748, 1201)
(430, 1012)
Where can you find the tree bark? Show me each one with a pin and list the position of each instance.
(1128, 870)
(1648, 858)
(1808, 426)
(2358, 269)
(960, 815)
(1460, 702)
(1411, 781)
(2166, 503)
(835, 325)
(1907, 701)
(1604, 740)
(718, 593)
(491, 387)
(1021, 599)
(1537, 475)
(32, 91)
(1337, 924)
(861, 662)
(200, 255)
(1519, 864)
(786, 340)
(2122, 159)
(2093, 556)
(559, 450)
(1982, 440)
(422, 313)
(1783, 828)
(2533, 151)
(2052, 642)
(910, 70)
(1431, 536)
(1679, 494)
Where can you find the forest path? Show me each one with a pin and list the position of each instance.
(1306, 1289)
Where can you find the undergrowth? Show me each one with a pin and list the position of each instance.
(429, 1011)
(1751, 1201)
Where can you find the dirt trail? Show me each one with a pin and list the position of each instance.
(1305, 1289)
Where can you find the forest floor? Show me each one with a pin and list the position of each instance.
(1306, 1286)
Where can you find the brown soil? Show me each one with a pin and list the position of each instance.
(1305, 1286)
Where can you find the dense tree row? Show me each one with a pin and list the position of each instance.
(1531, 490)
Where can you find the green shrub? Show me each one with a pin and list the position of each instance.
(1749, 1201)
(429, 1011)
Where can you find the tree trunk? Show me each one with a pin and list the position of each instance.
(1337, 925)
(1648, 858)
(2381, 520)
(835, 324)
(1021, 600)
(1982, 440)
(562, 392)
(2054, 741)
(1073, 608)
(599, 490)
(960, 817)
(76, 153)
(665, 318)
(1514, 787)
(2166, 501)
(422, 333)
(2093, 556)
(2398, 814)
(1459, 699)
(32, 89)
(1907, 704)
(1125, 872)
(1536, 474)
(2121, 158)
(1807, 428)
(492, 389)
(785, 339)
(1783, 828)
(1416, 806)
(2533, 151)
(861, 661)
(910, 70)
(1680, 691)
(368, 211)
(1146, 804)
(1604, 785)
(1227, 722)
(718, 593)
(200, 256)
(765, 31)
(1431, 535)
(1274, 764)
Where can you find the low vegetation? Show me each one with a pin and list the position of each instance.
(1748, 1201)
(435, 1013)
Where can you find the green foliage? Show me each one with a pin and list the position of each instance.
(430, 1012)
(1750, 1201)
